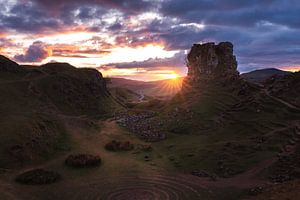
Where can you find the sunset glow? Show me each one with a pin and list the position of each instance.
(171, 75)
(291, 68)
(145, 40)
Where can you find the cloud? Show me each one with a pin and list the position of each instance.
(234, 13)
(177, 63)
(57, 52)
(265, 33)
(36, 52)
(27, 18)
(132, 6)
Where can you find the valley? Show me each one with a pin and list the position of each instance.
(216, 137)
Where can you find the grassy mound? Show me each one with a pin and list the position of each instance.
(38, 177)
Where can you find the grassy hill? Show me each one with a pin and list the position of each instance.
(285, 87)
(229, 128)
(258, 76)
(223, 131)
(34, 101)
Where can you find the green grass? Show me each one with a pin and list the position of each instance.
(32, 105)
(199, 143)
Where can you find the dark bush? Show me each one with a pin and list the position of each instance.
(38, 177)
(119, 146)
(83, 160)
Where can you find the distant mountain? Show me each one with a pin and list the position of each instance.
(258, 76)
(158, 89)
(34, 101)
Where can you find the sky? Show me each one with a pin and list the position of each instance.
(149, 39)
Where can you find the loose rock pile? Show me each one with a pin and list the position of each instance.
(83, 160)
(141, 125)
(38, 177)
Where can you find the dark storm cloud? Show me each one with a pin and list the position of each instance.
(127, 6)
(235, 13)
(27, 18)
(265, 33)
(38, 15)
(36, 52)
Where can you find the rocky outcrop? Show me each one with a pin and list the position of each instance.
(210, 62)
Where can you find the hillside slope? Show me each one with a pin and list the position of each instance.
(261, 75)
(223, 127)
(33, 99)
(285, 87)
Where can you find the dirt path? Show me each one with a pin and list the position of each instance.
(281, 101)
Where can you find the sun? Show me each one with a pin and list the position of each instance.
(172, 76)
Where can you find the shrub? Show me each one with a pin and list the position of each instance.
(83, 160)
(119, 146)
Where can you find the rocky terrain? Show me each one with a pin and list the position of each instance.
(141, 124)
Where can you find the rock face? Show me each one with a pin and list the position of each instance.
(210, 61)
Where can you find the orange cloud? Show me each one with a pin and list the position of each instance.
(70, 50)
(63, 30)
